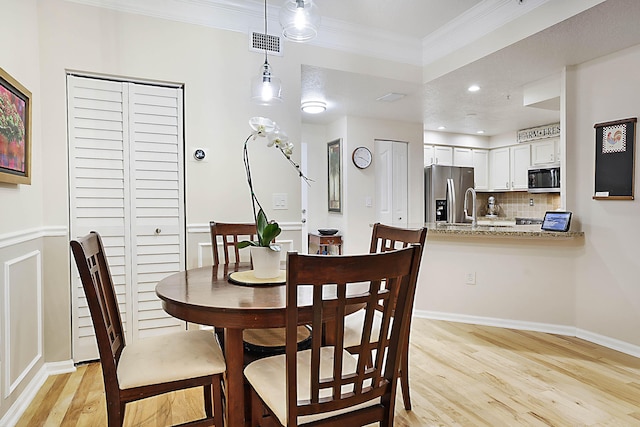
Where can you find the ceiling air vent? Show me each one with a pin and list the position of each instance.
(261, 41)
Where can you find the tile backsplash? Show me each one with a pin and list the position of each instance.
(517, 204)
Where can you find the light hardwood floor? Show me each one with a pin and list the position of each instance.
(461, 375)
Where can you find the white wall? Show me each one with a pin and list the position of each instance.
(24, 277)
(455, 139)
(361, 183)
(503, 140)
(608, 267)
(356, 218)
(21, 61)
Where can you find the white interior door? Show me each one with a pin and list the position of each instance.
(400, 178)
(126, 182)
(392, 182)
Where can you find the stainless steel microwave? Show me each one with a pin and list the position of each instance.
(544, 179)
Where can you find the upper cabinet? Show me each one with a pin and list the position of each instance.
(462, 156)
(438, 155)
(508, 167)
(520, 160)
(499, 164)
(481, 168)
(545, 152)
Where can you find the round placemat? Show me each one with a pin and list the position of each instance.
(248, 278)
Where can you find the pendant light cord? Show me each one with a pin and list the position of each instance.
(265, 31)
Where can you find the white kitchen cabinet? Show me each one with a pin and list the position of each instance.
(438, 155)
(480, 161)
(499, 164)
(462, 156)
(544, 152)
(429, 156)
(520, 156)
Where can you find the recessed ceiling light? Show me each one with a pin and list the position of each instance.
(441, 128)
(314, 107)
(480, 132)
(473, 88)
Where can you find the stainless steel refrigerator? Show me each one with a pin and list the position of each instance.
(445, 187)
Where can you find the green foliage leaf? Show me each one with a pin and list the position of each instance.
(270, 232)
(245, 243)
(267, 231)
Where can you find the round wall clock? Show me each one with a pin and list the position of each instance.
(361, 157)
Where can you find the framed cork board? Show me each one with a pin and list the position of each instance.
(615, 158)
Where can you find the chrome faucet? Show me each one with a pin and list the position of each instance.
(473, 218)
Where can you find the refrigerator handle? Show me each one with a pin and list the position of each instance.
(451, 200)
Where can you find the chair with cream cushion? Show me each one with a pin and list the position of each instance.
(150, 366)
(257, 342)
(327, 384)
(386, 238)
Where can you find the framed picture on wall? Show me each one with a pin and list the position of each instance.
(615, 159)
(334, 176)
(15, 131)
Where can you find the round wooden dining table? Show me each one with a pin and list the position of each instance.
(206, 297)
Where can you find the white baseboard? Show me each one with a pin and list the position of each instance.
(548, 328)
(612, 343)
(16, 410)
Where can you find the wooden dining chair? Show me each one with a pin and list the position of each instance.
(257, 342)
(149, 366)
(228, 235)
(386, 238)
(328, 385)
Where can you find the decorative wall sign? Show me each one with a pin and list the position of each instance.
(15, 131)
(615, 146)
(540, 132)
(334, 176)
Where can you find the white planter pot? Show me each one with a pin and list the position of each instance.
(266, 262)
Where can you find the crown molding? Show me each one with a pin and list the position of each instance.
(480, 20)
(242, 16)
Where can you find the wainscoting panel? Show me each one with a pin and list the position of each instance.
(22, 318)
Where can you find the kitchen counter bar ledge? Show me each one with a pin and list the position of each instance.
(512, 231)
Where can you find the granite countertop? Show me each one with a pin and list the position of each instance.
(499, 229)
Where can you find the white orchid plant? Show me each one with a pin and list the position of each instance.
(267, 230)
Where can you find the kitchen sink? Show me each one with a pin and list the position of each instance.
(468, 225)
(528, 221)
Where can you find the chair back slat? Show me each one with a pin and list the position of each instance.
(341, 282)
(386, 237)
(230, 234)
(91, 261)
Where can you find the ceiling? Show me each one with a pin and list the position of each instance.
(498, 107)
(414, 18)
(418, 33)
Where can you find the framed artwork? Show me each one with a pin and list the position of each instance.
(614, 171)
(334, 176)
(15, 131)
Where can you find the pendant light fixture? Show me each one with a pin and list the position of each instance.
(299, 20)
(266, 89)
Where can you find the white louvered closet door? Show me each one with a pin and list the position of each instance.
(126, 182)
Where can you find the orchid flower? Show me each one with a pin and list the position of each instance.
(264, 127)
